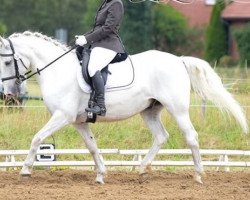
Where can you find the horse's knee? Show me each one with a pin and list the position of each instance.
(36, 141)
(93, 151)
(161, 139)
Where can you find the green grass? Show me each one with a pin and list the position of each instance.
(216, 130)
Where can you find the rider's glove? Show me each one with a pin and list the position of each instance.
(80, 40)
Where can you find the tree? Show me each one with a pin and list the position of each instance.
(43, 15)
(136, 30)
(170, 28)
(89, 16)
(243, 41)
(216, 37)
(2, 28)
(145, 25)
(17, 15)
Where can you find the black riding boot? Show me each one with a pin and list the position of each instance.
(98, 85)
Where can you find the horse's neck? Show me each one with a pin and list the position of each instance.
(43, 52)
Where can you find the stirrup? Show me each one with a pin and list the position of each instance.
(97, 110)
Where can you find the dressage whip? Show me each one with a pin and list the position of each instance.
(182, 1)
(163, 1)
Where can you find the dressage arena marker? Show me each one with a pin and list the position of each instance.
(43, 157)
(137, 154)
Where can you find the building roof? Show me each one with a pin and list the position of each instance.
(236, 11)
(198, 13)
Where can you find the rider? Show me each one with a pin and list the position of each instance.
(106, 45)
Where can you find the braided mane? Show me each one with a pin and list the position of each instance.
(41, 36)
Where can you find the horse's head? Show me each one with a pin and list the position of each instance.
(13, 66)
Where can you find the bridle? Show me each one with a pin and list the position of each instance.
(19, 77)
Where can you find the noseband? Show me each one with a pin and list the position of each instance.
(19, 77)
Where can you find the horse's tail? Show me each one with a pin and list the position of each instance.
(209, 86)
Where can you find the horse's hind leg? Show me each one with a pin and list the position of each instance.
(90, 142)
(191, 137)
(151, 117)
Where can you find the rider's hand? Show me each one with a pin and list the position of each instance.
(80, 40)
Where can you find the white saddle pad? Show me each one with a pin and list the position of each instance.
(121, 77)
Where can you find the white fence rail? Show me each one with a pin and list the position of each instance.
(211, 158)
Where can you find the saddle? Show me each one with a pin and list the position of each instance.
(83, 55)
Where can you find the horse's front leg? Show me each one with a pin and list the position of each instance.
(57, 121)
(90, 142)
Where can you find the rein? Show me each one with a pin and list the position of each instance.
(21, 78)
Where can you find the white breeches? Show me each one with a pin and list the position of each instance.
(99, 58)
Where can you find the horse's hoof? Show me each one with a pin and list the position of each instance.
(99, 179)
(100, 182)
(198, 179)
(143, 177)
(25, 175)
(25, 172)
(198, 176)
(145, 169)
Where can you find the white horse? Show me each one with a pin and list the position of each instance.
(162, 80)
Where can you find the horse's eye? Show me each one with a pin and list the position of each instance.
(8, 62)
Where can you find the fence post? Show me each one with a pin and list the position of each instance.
(137, 157)
(224, 158)
(9, 158)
